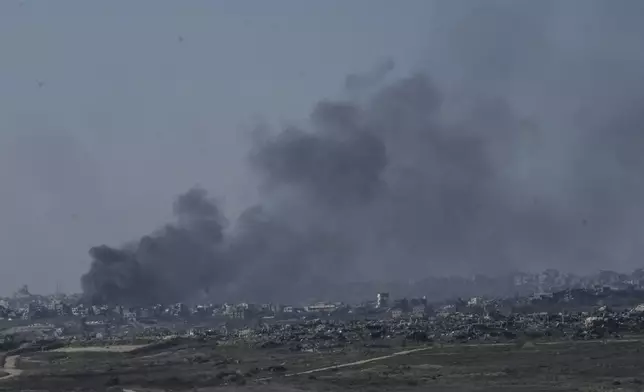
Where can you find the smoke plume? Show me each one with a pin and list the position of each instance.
(526, 154)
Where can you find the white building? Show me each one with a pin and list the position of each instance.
(382, 300)
(321, 307)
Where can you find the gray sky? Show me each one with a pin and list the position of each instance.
(108, 110)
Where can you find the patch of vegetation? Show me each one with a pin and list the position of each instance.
(571, 366)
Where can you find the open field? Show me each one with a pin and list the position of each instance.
(568, 366)
(113, 349)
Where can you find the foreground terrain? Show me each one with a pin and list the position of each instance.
(203, 365)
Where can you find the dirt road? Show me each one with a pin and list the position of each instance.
(361, 362)
(354, 363)
(10, 367)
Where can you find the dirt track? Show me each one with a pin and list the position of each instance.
(361, 362)
(354, 363)
(10, 367)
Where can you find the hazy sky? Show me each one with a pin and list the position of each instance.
(526, 138)
(109, 109)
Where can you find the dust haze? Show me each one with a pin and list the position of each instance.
(518, 147)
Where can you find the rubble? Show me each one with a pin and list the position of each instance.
(570, 314)
(319, 335)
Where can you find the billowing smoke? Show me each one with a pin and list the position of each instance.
(526, 155)
(168, 264)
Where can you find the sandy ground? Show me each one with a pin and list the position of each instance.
(111, 349)
(10, 367)
(12, 370)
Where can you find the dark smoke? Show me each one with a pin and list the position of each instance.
(526, 156)
(339, 164)
(170, 264)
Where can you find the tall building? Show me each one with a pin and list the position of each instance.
(382, 300)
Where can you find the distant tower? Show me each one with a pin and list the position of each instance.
(382, 300)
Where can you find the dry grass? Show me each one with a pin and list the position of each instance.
(201, 366)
